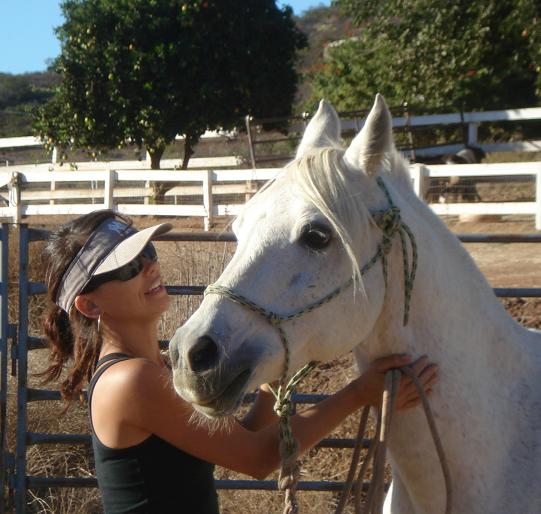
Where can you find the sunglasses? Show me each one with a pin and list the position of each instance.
(126, 272)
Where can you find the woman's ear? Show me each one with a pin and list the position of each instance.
(87, 307)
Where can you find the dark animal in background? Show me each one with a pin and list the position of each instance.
(455, 188)
(468, 155)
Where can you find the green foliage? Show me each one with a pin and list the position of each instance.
(321, 25)
(435, 54)
(146, 70)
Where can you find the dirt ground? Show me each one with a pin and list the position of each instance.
(505, 265)
(508, 264)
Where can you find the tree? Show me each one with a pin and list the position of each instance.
(143, 71)
(434, 54)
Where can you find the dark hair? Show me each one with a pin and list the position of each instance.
(72, 337)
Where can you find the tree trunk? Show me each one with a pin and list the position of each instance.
(155, 157)
(158, 188)
(189, 142)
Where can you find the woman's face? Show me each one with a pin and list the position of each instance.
(141, 298)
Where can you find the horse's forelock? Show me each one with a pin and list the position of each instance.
(323, 179)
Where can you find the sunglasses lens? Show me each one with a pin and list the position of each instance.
(126, 272)
(130, 270)
(149, 252)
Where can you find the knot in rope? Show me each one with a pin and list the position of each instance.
(388, 221)
(274, 319)
(283, 407)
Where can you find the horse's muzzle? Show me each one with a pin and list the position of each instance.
(214, 385)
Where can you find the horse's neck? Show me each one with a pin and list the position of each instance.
(453, 309)
(482, 352)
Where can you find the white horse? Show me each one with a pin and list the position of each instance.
(307, 233)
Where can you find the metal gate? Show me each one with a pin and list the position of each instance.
(5, 458)
(20, 482)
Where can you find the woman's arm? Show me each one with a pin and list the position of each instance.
(153, 405)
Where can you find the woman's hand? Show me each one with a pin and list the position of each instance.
(371, 382)
(269, 388)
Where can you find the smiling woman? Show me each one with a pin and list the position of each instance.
(107, 297)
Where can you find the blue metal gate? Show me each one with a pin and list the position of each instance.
(20, 481)
(5, 457)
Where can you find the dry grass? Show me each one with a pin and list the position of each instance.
(182, 263)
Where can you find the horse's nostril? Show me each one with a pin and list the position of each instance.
(203, 355)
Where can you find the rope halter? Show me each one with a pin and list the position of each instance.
(390, 223)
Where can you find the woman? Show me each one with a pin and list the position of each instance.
(104, 280)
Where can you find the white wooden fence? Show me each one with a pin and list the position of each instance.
(34, 142)
(77, 188)
(471, 119)
(31, 192)
(422, 173)
(104, 188)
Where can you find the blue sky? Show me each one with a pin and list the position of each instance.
(27, 39)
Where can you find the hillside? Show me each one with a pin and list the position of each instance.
(19, 95)
(321, 25)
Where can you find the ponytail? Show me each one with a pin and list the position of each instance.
(74, 340)
(60, 338)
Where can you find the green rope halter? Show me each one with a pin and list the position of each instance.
(390, 223)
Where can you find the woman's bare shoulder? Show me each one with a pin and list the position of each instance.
(136, 375)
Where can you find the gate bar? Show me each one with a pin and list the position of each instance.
(4, 334)
(22, 371)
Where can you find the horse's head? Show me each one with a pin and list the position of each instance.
(307, 233)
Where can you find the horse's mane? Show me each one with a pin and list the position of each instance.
(325, 181)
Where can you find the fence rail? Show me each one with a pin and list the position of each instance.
(354, 121)
(20, 481)
(32, 192)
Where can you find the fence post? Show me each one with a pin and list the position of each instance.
(15, 196)
(419, 175)
(4, 331)
(472, 133)
(22, 374)
(249, 185)
(108, 189)
(207, 198)
(248, 120)
(53, 188)
(538, 200)
(146, 199)
(407, 117)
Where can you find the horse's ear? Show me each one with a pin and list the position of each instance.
(323, 130)
(368, 148)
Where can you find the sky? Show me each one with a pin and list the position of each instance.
(27, 39)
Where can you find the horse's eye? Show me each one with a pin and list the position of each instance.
(315, 236)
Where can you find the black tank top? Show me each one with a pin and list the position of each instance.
(152, 477)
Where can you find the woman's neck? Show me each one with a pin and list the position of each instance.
(137, 340)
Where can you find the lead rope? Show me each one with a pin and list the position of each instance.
(284, 407)
(378, 448)
(390, 223)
